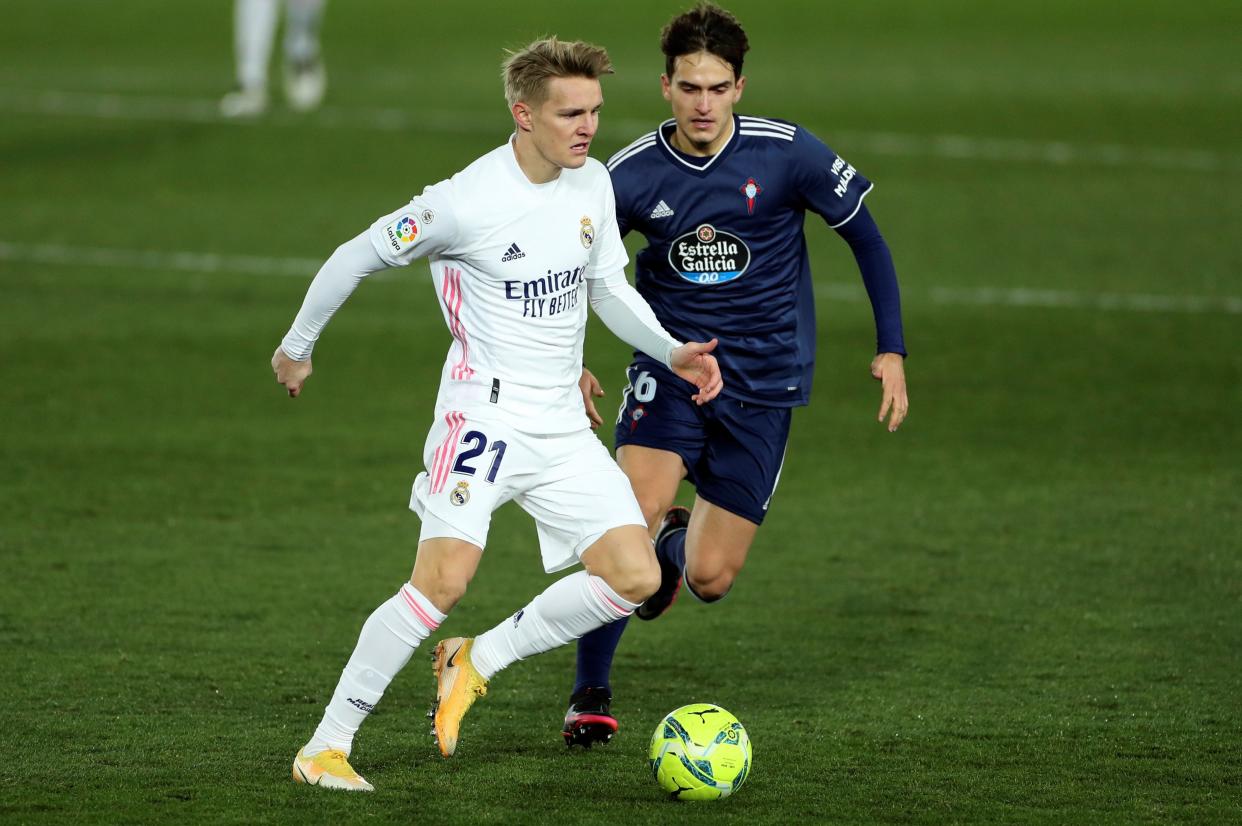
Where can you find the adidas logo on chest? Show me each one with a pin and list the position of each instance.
(662, 210)
(513, 253)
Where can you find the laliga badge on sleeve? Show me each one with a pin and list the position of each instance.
(460, 495)
(587, 233)
(402, 233)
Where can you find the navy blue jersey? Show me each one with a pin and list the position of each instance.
(726, 256)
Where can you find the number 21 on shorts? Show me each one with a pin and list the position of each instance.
(478, 445)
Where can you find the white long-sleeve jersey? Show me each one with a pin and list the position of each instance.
(513, 264)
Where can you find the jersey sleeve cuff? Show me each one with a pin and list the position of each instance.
(857, 207)
(296, 347)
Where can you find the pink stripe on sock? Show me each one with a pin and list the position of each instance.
(422, 615)
(617, 609)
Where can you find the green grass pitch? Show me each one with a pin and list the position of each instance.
(1025, 607)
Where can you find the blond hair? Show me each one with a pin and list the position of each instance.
(526, 73)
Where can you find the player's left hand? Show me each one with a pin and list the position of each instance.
(890, 370)
(591, 390)
(694, 362)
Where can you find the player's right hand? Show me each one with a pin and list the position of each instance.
(694, 362)
(292, 374)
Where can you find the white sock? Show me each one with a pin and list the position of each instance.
(254, 29)
(569, 608)
(302, 19)
(389, 637)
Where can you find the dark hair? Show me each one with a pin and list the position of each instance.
(705, 28)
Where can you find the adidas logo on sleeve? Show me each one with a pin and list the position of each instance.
(512, 253)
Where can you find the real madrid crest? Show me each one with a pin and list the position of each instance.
(587, 233)
(460, 495)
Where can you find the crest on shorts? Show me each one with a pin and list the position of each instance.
(460, 495)
(638, 413)
(587, 233)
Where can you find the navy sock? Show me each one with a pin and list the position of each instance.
(595, 652)
(597, 649)
(673, 549)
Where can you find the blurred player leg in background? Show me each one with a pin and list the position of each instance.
(254, 28)
(254, 33)
(304, 74)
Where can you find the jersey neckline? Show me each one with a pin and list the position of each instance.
(679, 159)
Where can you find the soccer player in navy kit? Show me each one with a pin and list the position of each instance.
(721, 199)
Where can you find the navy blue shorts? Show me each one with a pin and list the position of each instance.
(732, 450)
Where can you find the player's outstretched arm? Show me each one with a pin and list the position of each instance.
(629, 317)
(335, 282)
(694, 362)
(890, 370)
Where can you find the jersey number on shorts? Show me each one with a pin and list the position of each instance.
(642, 388)
(479, 444)
(645, 387)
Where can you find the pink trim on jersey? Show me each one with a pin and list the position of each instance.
(447, 450)
(452, 303)
(418, 610)
(607, 600)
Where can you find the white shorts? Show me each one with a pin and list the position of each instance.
(568, 483)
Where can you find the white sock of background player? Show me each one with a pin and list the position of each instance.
(254, 29)
(302, 23)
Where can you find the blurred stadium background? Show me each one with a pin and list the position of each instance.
(1024, 607)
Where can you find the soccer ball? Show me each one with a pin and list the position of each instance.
(700, 752)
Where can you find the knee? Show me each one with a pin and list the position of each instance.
(710, 586)
(637, 581)
(444, 590)
(443, 568)
(635, 576)
(625, 560)
(653, 510)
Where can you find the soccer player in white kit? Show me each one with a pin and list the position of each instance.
(518, 242)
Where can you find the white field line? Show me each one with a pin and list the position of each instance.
(305, 268)
(154, 260)
(1050, 153)
(1036, 297)
(109, 106)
